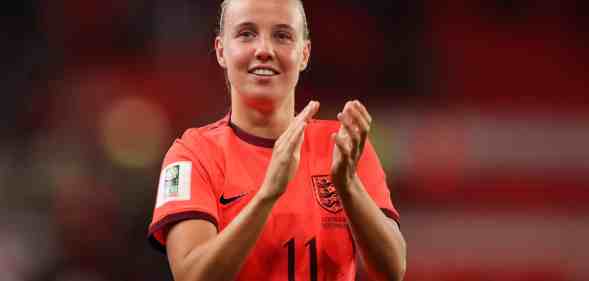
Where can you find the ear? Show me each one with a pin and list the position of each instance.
(219, 51)
(306, 55)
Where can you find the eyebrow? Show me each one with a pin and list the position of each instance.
(251, 24)
(245, 24)
(284, 26)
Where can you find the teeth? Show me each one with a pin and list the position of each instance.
(263, 72)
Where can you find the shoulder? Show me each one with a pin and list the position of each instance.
(209, 132)
(203, 140)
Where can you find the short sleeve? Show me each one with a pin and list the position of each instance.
(185, 191)
(373, 178)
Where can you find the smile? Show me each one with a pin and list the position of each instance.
(263, 71)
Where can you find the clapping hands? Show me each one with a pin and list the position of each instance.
(349, 143)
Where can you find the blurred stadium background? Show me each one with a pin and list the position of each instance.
(481, 121)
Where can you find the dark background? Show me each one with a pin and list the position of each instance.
(481, 113)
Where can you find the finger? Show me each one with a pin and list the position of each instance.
(359, 120)
(311, 108)
(364, 121)
(303, 112)
(308, 112)
(350, 128)
(304, 116)
(341, 144)
(296, 137)
(363, 111)
(346, 138)
(298, 144)
(294, 129)
(342, 131)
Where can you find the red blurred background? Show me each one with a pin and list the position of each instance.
(481, 113)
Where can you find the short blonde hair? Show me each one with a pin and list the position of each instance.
(225, 3)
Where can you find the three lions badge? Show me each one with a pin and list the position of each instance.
(326, 194)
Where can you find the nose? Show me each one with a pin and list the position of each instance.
(264, 49)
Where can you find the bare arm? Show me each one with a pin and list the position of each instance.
(197, 252)
(381, 244)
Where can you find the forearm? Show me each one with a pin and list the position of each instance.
(221, 258)
(203, 255)
(380, 242)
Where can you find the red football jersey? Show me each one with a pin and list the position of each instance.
(212, 172)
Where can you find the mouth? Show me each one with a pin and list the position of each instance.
(263, 71)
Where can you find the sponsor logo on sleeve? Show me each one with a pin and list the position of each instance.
(174, 184)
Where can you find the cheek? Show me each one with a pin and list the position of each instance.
(292, 60)
(236, 58)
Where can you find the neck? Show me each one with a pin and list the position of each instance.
(265, 121)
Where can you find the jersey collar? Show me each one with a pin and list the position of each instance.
(249, 138)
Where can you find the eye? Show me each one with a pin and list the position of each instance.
(246, 34)
(284, 36)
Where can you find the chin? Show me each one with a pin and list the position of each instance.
(263, 100)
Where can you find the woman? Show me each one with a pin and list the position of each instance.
(265, 195)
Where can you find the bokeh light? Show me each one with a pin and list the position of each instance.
(134, 132)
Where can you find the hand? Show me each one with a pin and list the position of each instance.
(349, 143)
(286, 154)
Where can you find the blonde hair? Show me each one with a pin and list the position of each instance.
(225, 4)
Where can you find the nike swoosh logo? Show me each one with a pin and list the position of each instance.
(226, 200)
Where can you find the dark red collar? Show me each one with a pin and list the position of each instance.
(249, 138)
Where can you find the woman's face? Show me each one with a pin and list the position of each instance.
(263, 49)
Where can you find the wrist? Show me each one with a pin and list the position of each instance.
(268, 194)
(346, 185)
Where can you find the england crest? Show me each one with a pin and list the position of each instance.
(326, 194)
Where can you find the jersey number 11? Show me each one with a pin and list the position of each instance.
(312, 245)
